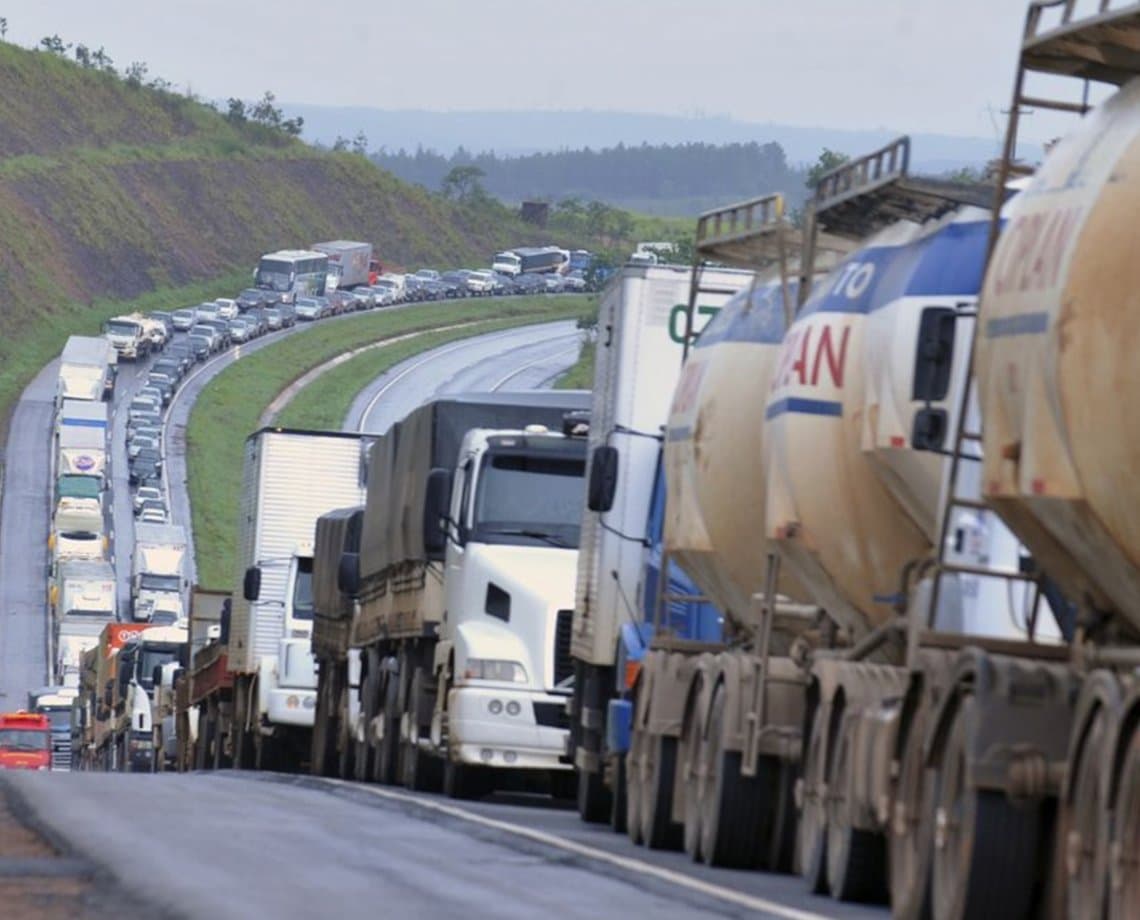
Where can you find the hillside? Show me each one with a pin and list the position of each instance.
(111, 190)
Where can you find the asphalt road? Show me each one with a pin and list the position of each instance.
(514, 359)
(239, 845)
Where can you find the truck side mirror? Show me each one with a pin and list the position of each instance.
(603, 478)
(251, 584)
(437, 498)
(348, 574)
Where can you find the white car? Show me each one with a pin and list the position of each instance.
(227, 308)
(145, 494)
(481, 282)
(138, 442)
(153, 515)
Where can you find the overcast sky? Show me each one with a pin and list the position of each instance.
(941, 66)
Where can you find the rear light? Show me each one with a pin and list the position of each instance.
(632, 669)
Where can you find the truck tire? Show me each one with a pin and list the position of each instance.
(985, 851)
(388, 751)
(346, 739)
(465, 781)
(911, 834)
(856, 857)
(691, 753)
(593, 799)
(618, 808)
(322, 758)
(1081, 832)
(658, 829)
(419, 771)
(811, 847)
(1124, 873)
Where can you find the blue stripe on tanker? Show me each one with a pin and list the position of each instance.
(947, 263)
(797, 405)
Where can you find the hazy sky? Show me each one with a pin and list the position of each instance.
(916, 65)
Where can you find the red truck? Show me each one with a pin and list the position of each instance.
(25, 741)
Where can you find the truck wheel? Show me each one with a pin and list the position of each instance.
(158, 755)
(812, 845)
(618, 808)
(325, 728)
(658, 828)
(985, 846)
(692, 753)
(1124, 873)
(737, 813)
(1081, 837)
(465, 781)
(421, 772)
(593, 798)
(387, 753)
(856, 858)
(634, 772)
(346, 742)
(912, 829)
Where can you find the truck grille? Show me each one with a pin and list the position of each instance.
(61, 754)
(563, 664)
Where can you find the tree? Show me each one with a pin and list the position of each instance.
(54, 44)
(828, 160)
(293, 126)
(103, 61)
(462, 183)
(3, 27)
(340, 145)
(83, 56)
(135, 74)
(360, 144)
(265, 112)
(235, 111)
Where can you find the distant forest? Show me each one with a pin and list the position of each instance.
(665, 179)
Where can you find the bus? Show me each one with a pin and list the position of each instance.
(293, 273)
(25, 741)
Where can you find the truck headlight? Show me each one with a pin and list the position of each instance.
(495, 669)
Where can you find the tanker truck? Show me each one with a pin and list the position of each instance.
(461, 564)
(643, 326)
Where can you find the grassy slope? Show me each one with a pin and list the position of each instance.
(229, 408)
(110, 193)
(581, 375)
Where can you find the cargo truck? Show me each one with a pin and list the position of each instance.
(86, 369)
(261, 714)
(205, 692)
(134, 336)
(56, 703)
(82, 600)
(81, 451)
(350, 263)
(158, 581)
(641, 339)
(25, 741)
(80, 413)
(93, 717)
(451, 698)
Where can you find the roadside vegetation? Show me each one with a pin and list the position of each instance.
(228, 409)
(581, 375)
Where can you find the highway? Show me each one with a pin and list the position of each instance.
(508, 855)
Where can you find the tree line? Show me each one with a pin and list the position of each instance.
(645, 171)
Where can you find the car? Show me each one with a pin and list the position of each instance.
(241, 331)
(138, 443)
(481, 283)
(142, 421)
(553, 284)
(212, 335)
(146, 431)
(530, 283)
(344, 301)
(153, 515)
(143, 404)
(201, 346)
(575, 281)
(308, 309)
(427, 274)
(250, 298)
(170, 367)
(227, 308)
(183, 319)
(147, 494)
(273, 318)
(207, 310)
(146, 467)
(223, 329)
(257, 321)
(157, 393)
(162, 377)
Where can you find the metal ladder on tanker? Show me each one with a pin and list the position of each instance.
(1103, 45)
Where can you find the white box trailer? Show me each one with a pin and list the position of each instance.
(81, 451)
(82, 413)
(290, 478)
(85, 368)
(157, 578)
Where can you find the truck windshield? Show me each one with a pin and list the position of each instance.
(303, 590)
(532, 497)
(59, 718)
(151, 582)
(151, 657)
(20, 739)
(122, 328)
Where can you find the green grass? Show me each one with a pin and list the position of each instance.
(21, 360)
(581, 375)
(228, 409)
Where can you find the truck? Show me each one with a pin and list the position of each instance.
(25, 741)
(350, 263)
(81, 413)
(261, 714)
(142, 675)
(86, 369)
(93, 713)
(77, 530)
(530, 259)
(82, 600)
(205, 692)
(472, 509)
(81, 451)
(641, 342)
(134, 336)
(56, 703)
(157, 573)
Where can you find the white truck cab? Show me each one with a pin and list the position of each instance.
(287, 683)
(510, 558)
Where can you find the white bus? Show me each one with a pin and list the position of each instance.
(293, 273)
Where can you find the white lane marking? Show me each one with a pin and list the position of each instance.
(426, 359)
(527, 367)
(740, 898)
